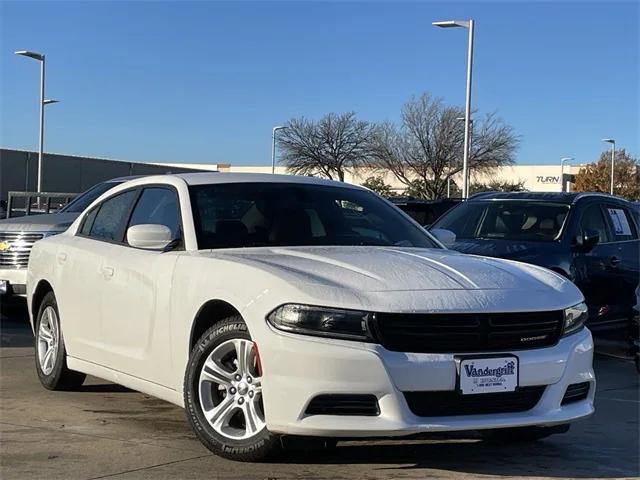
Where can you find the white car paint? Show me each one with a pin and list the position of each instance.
(127, 317)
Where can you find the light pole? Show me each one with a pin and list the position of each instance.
(563, 160)
(468, 24)
(469, 152)
(43, 102)
(613, 157)
(273, 147)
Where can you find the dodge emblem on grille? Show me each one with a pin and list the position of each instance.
(5, 247)
(533, 339)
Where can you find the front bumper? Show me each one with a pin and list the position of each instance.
(17, 280)
(298, 368)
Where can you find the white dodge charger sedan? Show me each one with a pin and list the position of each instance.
(273, 306)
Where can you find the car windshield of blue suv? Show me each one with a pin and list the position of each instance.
(506, 220)
(234, 215)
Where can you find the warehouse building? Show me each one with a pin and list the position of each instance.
(74, 174)
(535, 178)
(68, 173)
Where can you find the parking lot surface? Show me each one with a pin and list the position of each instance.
(107, 431)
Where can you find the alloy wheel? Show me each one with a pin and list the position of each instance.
(48, 338)
(230, 390)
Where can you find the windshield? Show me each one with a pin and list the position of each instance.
(82, 201)
(506, 220)
(233, 215)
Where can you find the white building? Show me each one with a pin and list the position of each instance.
(536, 178)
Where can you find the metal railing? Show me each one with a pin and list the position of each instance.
(34, 203)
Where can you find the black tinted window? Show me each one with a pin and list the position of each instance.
(272, 214)
(158, 206)
(87, 223)
(112, 217)
(592, 219)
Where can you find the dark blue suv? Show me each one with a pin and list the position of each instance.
(590, 238)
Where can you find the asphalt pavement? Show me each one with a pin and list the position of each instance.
(108, 431)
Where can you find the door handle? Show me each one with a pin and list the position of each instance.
(62, 257)
(614, 261)
(107, 272)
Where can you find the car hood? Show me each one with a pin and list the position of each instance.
(384, 269)
(38, 223)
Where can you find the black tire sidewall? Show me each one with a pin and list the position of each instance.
(255, 448)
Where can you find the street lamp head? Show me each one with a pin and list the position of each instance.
(608, 140)
(34, 55)
(278, 127)
(49, 101)
(451, 24)
(566, 159)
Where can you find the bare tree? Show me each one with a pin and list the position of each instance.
(329, 147)
(426, 149)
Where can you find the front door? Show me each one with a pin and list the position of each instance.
(594, 272)
(135, 321)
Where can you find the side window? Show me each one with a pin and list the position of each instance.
(622, 226)
(87, 223)
(158, 206)
(112, 217)
(592, 219)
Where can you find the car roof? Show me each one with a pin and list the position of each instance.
(421, 201)
(124, 179)
(557, 197)
(205, 178)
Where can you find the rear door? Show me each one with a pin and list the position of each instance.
(625, 261)
(80, 289)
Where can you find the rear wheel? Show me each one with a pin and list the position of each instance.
(522, 434)
(51, 355)
(223, 394)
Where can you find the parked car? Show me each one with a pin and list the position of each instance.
(425, 212)
(272, 305)
(589, 238)
(17, 236)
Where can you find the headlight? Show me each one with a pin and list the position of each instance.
(323, 322)
(574, 318)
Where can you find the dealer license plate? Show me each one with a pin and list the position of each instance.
(488, 374)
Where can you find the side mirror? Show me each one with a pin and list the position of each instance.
(149, 236)
(586, 240)
(446, 237)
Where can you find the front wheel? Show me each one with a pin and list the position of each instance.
(223, 394)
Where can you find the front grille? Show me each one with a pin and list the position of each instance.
(467, 332)
(344, 404)
(450, 403)
(15, 248)
(576, 392)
